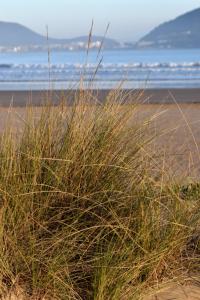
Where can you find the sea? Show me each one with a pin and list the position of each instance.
(129, 69)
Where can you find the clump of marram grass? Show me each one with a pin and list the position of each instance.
(81, 218)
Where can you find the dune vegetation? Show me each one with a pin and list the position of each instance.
(84, 214)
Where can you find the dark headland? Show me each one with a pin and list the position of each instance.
(180, 33)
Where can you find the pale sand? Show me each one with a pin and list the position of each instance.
(177, 141)
(177, 292)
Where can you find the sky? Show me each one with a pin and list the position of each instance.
(129, 19)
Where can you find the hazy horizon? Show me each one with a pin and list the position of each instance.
(129, 20)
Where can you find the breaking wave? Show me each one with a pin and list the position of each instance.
(155, 73)
(135, 65)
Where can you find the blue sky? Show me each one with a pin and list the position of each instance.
(129, 19)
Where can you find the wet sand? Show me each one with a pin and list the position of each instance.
(20, 98)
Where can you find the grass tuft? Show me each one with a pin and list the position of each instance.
(82, 216)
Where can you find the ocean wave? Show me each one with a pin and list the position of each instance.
(115, 72)
(5, 66)
(105, 66)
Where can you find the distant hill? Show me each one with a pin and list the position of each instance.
(14, 35)
(182, 32)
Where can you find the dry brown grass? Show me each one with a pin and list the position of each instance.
(82, 214)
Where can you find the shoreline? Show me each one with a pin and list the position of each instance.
(152, 96)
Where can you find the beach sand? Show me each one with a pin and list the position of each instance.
(20, 98)
(175, 127)
(177, 292)
(176, 142)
